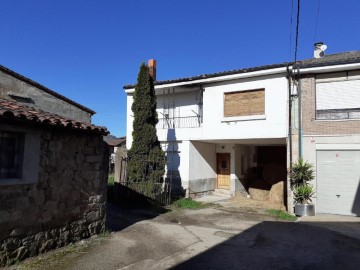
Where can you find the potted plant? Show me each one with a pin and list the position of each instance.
(301, 174)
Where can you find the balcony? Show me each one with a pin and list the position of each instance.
(179, 122)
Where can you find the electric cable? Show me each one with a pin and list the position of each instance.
(317, 19)
(297, 28)
(291, 24)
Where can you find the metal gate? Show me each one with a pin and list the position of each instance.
(159, 192)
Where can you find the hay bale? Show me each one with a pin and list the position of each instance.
(276, 194)
(259, 190)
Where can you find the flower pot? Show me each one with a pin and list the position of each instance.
(304, 209)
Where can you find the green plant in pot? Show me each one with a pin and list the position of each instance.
(301, 174)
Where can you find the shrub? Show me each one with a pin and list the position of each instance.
(303, 193)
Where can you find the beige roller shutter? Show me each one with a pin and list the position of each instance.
(244, 103)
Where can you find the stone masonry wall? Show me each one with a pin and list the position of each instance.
(41, 99)
(65, 205)
(310, 125)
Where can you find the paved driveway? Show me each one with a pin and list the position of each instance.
(211, 238)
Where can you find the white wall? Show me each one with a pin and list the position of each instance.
(202, 161)
(129, 120)
(214, 126)
(178, 160)
(274, 124)
(184, 103)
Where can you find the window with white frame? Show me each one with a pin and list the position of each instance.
(338, 96)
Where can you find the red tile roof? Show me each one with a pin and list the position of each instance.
(113, 141)
(18, 111)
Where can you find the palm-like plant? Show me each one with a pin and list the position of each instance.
(302, 172)
(303, 194)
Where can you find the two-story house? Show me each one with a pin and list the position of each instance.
(329, 132)
(230, 130)
(224, 130)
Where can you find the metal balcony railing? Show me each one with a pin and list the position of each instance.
(179, 122)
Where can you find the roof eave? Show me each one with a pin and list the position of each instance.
(212, 78)
(306, 69)
(45, 89)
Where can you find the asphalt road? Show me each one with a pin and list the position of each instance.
(211, 238)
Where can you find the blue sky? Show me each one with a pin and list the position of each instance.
(88, 50)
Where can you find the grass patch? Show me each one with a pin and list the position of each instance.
(111, 180)
(280, 214)
(187, 203)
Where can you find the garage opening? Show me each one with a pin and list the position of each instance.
(265, 178)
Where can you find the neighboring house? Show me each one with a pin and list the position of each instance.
(330, 129)
(53, 172)
(230, 130)
(114, 143)
(16, 87)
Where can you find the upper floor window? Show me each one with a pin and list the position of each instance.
(11, 154)
(338, 96)
(244, 103)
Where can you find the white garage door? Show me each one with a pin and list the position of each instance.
(338, 174)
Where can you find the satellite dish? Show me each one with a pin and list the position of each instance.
(323, 47)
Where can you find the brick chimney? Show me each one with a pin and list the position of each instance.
(152, 68)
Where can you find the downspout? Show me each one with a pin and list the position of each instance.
(288, 76)
(299, 114)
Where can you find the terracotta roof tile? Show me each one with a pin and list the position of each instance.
(15, 110)
(113, 141)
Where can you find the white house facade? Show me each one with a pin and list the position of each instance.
(242, 130)
(214, 129)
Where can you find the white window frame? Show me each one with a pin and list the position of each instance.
(349, 114)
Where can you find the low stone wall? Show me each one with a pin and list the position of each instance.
(65, 205)
(200, 187)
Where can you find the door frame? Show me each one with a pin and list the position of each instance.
(217, 174)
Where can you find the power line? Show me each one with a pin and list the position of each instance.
(291, 24)
(297, 28)
(317, 19)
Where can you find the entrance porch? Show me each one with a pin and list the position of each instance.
(253, 169)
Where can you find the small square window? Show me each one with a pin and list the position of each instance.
(11, 154)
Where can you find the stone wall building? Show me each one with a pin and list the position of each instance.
(14, 86)
(53, 172)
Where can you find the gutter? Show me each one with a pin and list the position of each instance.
(299, 113)
(288, 76)
(323, 69)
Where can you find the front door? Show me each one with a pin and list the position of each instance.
(223, 170)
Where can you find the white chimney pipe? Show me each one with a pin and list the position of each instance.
(319, 50)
